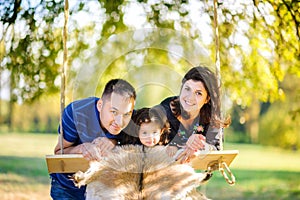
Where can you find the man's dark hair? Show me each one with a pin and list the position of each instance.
(119, 86)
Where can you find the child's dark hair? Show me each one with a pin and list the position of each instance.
(155, 114)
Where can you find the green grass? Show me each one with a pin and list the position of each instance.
(261, 172)
(255, 184)
(258, 157)
(23, 169)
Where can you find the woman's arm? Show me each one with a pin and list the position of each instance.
(197, 142)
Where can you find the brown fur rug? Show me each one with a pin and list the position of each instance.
(133, 172)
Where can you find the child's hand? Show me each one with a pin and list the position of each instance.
(171, 150)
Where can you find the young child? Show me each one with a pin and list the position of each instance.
(149, 127)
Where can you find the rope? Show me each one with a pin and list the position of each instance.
(217, 61)
(221, 169)
(63, 72)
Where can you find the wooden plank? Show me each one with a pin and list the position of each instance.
(66, 163)
(206, 159)
(71, 163)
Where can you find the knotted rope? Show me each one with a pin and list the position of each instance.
(63, 71)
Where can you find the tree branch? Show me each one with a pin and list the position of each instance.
(12, 19)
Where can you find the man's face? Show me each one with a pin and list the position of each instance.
(115, 113)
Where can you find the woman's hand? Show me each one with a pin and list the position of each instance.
(194, 143)
(186, 155)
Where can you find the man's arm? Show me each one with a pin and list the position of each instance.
(91, 151)
(68, 147)
(88, 150)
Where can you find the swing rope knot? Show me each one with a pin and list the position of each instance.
(223, 172)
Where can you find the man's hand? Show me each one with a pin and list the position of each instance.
(90, 151)
(104, 145)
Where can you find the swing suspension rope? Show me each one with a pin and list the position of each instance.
(65, 64)
(221, 166)
(217, 43)
(63, 72)
(217, 58)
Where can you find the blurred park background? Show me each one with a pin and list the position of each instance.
(151, 44)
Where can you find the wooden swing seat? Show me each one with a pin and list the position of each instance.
(71, 163)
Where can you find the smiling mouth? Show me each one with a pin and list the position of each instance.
(116, 127)
(189, 103)
(150, 143)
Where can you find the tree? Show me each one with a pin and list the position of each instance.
(252, 73)
(259, 45)
(31, 47)
(282, 129)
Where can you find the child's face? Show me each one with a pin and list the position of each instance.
(149, 134)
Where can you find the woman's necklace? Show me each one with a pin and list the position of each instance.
(196, 129)
(190, 126)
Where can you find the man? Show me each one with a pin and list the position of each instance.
(91, 127)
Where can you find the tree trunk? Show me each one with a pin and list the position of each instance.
(1, 118)
(252, 123)
(10, 105)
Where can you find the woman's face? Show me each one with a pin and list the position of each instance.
(193, 96)
(149, 134)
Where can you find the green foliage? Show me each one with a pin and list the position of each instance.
(265, 35)
(32, 45)
(259, 47)
(139, 62)
(282, 129)
(236, 137)
(257, 51)
(40, 116)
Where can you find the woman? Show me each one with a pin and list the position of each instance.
(194, 115)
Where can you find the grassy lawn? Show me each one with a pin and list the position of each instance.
(23, 170)
(261, 172)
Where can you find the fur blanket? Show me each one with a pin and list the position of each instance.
(133, 172)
